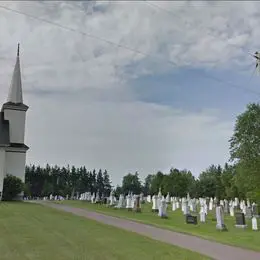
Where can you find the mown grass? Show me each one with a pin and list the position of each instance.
(34, 232)
(238, 237)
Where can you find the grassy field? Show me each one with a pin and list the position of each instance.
(29, 231)
(176, 222)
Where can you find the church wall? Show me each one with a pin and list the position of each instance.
(2, 169)
(15, 164)
(16, 125)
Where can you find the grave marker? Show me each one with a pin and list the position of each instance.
(240, 220)
(191, 219)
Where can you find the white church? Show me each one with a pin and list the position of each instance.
(12, 130)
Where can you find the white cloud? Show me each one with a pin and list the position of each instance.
(94, 117)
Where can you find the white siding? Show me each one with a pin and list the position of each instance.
(16, 125)
(2, 168)
(15, 164)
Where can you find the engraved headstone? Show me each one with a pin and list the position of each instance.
(191, 219)
(240, 220)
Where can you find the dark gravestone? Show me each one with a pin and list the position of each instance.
(137, 207)
(240, 220)
(191, 219)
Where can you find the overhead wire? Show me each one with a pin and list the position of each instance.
(169, 12)
(118, 45)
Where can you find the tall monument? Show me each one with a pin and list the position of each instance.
(12, 129)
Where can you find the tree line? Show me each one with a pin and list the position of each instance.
(63, 181)
(240, 177)
(215, 181)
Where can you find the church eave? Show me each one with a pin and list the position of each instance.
(15, 106)
(16, 145)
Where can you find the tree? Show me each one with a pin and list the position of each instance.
(147, 184)
(210, 184)
(245, 151)
(131, 183)
(156, 183)
(100, 182)
(13, 186)
(107, 183)
(228, 179)
(43, 181)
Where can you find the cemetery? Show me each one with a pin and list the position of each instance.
(220, 204)
(231, 222)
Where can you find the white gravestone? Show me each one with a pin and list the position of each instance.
(129, 202)
(202, 215)
(220, 218)
(168, 198)
(186, 210)
(120, 202)
(174, 206)
(231, 211)
(163, 209)
(155, 203)
(254, 224)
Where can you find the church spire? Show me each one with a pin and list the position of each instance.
(15, 92)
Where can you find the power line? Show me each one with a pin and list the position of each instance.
(158, 7)
(118, 45)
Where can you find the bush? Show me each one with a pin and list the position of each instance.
(12, 187)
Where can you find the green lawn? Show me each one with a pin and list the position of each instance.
(235, 236)
(30, 231)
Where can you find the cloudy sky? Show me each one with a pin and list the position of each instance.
(131, 86)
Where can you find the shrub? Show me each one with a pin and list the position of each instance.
(12, 187)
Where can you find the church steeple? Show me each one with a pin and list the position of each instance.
(15, 92)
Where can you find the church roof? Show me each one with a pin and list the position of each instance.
(15, 92)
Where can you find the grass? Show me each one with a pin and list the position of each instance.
(237, 237)
(34, 232)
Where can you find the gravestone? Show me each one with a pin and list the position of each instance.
(255, 210)
(240, 220)
(186, 209)
(254, 224)
(163, 209)
(202, 215)
(226, 209)
(174, 206)
(220, 219)
(232, 211)
(155, 204)
(137, 207)
(248, 213)
(129, 203)
(120, 202)
(191, 219)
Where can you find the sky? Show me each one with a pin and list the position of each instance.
(131, 86)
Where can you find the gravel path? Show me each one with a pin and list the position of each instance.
(214, 250)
